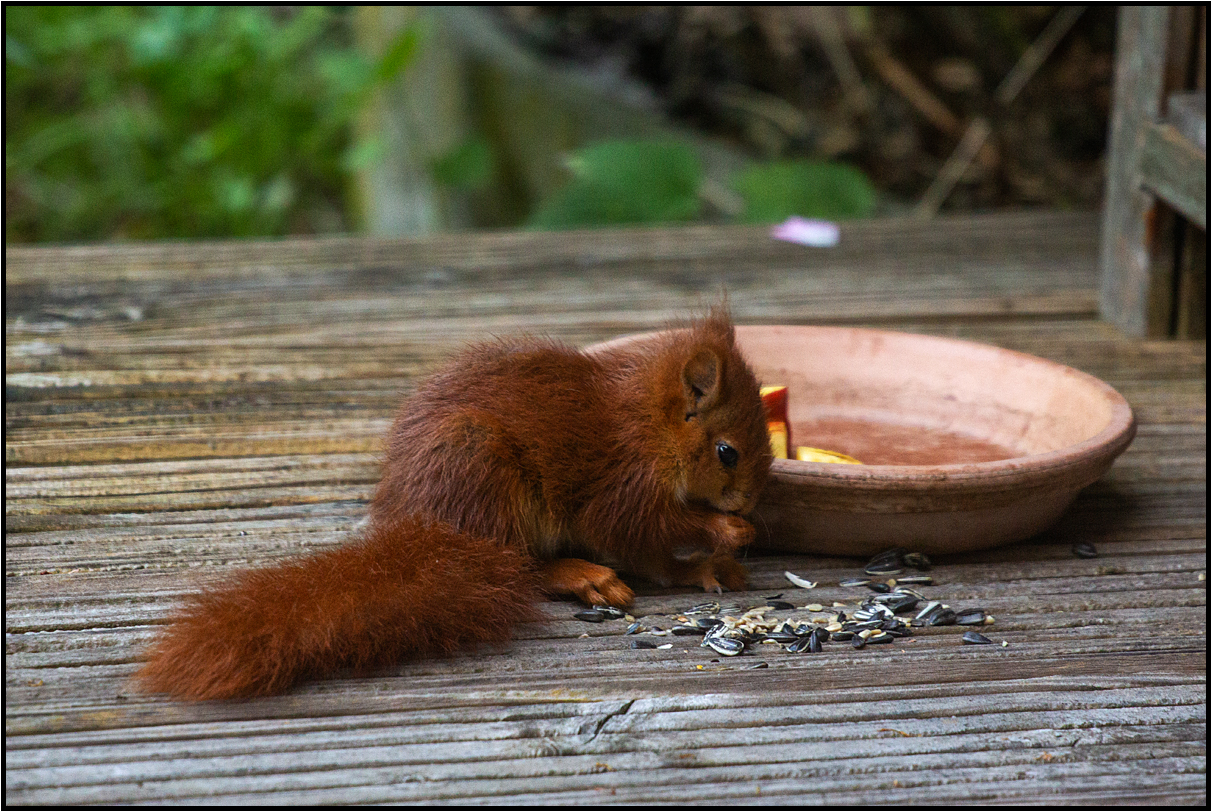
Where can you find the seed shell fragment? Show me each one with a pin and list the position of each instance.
(802, 583)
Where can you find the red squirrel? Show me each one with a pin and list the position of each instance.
(513, 458)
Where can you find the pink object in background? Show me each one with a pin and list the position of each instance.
(819, 233)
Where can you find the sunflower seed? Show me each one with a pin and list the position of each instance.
(779, 606)
(590, 616)
(942, 617)
(634, 628)
(854, 582)
(1084, 549)
(976, 638)
(918, 561)
(897, 601)
(686, 631)
(873, 610)
(612, 612)
(886, 563)
(970, 617)
(643, 644)
(930, 607)
(801, 645)
(725, 645)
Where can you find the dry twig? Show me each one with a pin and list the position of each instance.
(978, 130)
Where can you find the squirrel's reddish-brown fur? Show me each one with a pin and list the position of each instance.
(515, 457)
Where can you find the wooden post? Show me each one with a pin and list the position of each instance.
(1140, 57)
(415, 118)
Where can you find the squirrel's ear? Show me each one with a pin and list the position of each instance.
(701, 381)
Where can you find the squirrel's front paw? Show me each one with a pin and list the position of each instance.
(732, 533)
(716, 574)
(592, 584)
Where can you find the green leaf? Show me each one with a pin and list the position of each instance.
(363, 154)
(467, 166)
(398, 55)
(16, 53)
(824, 189)
(620, 182)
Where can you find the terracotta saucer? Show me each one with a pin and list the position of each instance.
(965, 445)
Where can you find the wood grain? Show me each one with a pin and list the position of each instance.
(178, 411)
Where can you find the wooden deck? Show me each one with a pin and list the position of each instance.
(176, 411)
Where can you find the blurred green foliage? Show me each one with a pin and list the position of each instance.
(619, 182)
(655, 181)
(181, 121)
(468, 165)
(825, 189)
(142, 122)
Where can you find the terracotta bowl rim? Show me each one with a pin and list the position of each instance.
(1105, 445)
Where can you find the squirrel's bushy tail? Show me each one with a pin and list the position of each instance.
(405, 590)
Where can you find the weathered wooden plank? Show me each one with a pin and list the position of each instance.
(1176, 170)
(1005, 237)
(725, 720)
(445, 753)
(528, 769)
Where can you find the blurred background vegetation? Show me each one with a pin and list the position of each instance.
(147, 122)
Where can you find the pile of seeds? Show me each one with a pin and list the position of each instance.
(894, 609)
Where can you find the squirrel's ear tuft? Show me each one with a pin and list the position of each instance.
(701, 380)
(719, 323)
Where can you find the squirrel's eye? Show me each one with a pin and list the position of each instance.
(727, 454)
